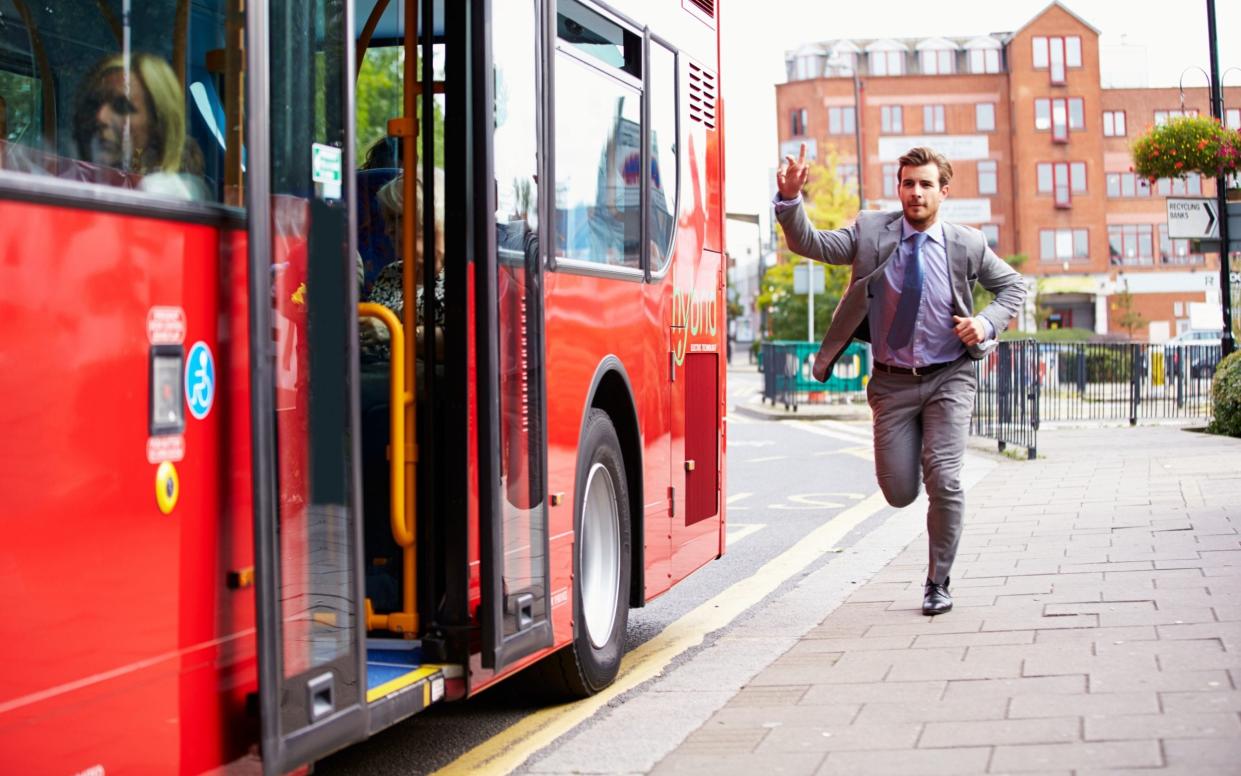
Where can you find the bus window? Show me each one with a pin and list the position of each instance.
(598, 159)
(149, 101)
(664, 167)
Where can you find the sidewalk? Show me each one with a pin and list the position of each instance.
(1096, 629)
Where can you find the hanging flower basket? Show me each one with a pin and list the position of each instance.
(1187, 145)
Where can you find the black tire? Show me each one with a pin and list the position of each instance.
(582, 668)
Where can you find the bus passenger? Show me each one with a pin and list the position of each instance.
(388, 289)
(129, 117)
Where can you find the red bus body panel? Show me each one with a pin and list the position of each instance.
(123, 646)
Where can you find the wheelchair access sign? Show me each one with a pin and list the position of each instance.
(199, 380)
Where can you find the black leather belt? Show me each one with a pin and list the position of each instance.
(917, 371)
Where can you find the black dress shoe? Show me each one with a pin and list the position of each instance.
(936, 600)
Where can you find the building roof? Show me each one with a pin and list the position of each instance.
(1062, 7)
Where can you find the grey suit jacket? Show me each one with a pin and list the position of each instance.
(869, 244)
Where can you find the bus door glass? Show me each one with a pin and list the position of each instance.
(304, 275)
(516, 577)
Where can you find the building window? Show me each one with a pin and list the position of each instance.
(890, 173)
(1127, 184)
(1175, 251)
(887, 63)
(1063, 179)
(1044, 178)
(1064, 244)
(992, 233)
(891, 119)
(1060, 115)
(1073, 51)
(1057, 53)
(1114, 123)
(1056, 49)
(1063, 194)
(847, 174)
(1042, 115)
(1162, 116)
(1130, 244)
(1040, 53)
(984, 61)
(1232, 118)
(1077, 114)
(938, 61)
(933, 119)
(986, 177)
(1190, 185)
(797, 124)
(984, 117)
(807, 67)
(1077, 177)
(840, 121)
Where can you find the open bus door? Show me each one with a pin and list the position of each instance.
(508, 40)
(303, 295)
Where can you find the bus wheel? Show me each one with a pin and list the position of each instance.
(601, 561)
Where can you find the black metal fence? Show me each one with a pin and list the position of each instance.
(1022, 384)
(1006, 407)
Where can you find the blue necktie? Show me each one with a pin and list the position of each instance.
(911, 296)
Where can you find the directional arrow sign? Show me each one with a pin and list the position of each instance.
(1192, 218)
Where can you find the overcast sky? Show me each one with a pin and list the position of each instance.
(755, 34)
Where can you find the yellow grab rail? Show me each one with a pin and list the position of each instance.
(400, 456)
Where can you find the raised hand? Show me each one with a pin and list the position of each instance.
(791, 176)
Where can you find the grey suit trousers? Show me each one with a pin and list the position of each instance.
(921, 426)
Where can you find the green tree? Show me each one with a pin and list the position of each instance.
(829, 203)
(378, 96)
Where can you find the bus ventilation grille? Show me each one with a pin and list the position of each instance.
(706, 6)
(702, 95)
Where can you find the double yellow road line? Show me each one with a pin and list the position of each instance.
(507, 750)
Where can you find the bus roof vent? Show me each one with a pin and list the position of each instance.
(704, 9)
(702, 95)
(706, 6)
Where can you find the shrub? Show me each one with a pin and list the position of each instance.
(1226, 397)
(1184, 145)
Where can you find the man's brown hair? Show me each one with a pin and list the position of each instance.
(916, 157)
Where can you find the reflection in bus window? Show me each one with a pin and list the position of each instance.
(598, 166)
(133, 101)
(662, 99)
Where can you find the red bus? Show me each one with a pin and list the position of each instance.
(256, 504)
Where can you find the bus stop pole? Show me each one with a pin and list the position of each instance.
(1221, 192)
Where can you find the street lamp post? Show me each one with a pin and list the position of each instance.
(1221, 191)
(857, 139)
(836, 60)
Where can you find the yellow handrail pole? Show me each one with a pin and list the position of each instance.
(398, 399)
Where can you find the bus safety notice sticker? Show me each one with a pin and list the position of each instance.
(199, 380)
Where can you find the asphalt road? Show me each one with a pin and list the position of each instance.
(785, 479)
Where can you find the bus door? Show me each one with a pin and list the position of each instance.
(511, 404)
(303, 282)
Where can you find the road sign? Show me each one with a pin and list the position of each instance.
(1192, 218)
(799, 277)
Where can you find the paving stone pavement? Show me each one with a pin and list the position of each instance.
(1096, 630)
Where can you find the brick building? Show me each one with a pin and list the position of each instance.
(1040, 152)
